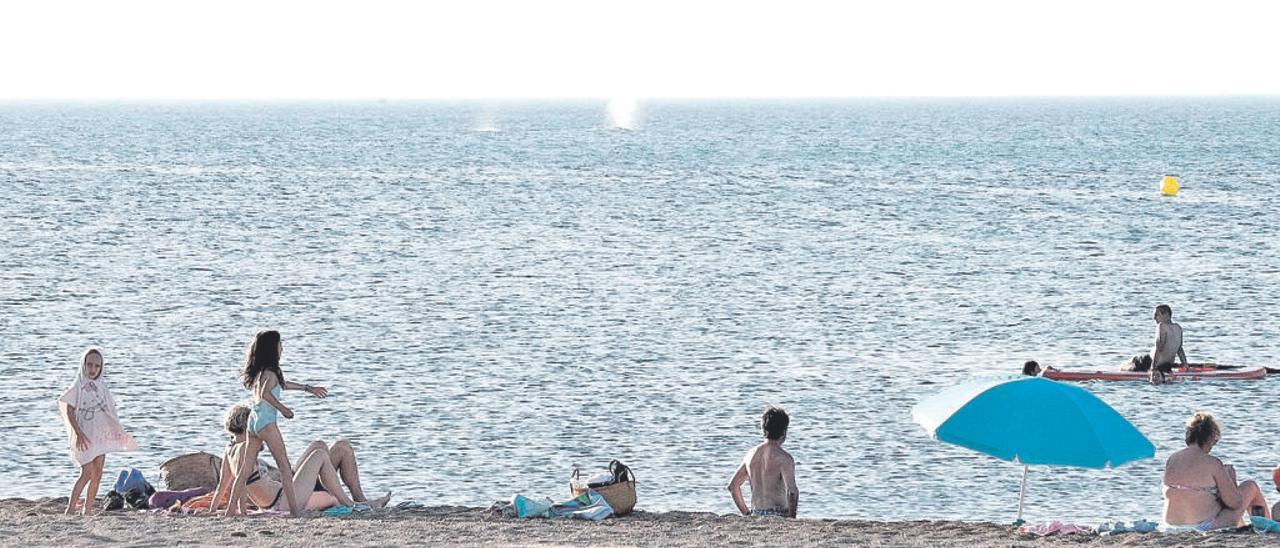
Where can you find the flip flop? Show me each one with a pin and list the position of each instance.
(408, 505)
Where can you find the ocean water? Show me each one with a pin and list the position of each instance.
(497, 293)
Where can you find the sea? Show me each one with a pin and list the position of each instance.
(496, 293)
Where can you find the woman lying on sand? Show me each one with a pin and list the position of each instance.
(1200, 491)
(315, 476)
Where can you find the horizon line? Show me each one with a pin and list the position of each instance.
(605, 98)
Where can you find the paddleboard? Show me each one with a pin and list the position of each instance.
(1194, 374)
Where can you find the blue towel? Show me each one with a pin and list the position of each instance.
(1264, 525)
(338, 511)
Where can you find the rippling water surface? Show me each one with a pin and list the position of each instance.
(491, 308)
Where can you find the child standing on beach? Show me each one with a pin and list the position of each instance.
(263, 377)
(93, 428)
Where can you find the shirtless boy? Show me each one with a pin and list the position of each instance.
(1167, 347)
(770, 470)
(1168, 341)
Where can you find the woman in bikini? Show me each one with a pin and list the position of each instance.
(1200, 491)
(315, 476)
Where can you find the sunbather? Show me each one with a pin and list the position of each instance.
(315, 479)
(1200, 491)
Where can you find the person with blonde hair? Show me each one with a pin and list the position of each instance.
(93, 429)
(1200, 491)
(320, 465)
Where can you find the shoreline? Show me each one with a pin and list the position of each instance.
(40, 523)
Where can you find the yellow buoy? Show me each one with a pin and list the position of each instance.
(1169, 186)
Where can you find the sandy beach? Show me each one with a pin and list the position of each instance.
(40, 523)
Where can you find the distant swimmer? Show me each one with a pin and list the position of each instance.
(1167, 347)
(1031, 368)
(770, 470)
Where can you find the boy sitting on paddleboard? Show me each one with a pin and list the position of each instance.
(1167, 346)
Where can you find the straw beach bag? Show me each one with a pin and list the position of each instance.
(191, 470)
(620, 494)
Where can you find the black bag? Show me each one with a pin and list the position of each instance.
(138, 500)
(112, 501)
(620, 473)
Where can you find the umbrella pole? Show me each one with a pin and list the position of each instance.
(1022, 494)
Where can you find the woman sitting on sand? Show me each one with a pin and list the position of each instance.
(1200, 491)
(315, 476)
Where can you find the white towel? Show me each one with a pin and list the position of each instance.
(96, 415)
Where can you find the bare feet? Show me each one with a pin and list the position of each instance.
(380, 502)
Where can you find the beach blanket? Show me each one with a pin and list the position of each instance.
(96, 415)
(1204, 527)
(170, 499)
(1055, 528)
(201, 502)
(1119, 527)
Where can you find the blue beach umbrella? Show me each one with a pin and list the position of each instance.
(1032, 420)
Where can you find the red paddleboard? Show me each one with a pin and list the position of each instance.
(1194, 374)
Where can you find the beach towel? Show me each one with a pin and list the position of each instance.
(338, 511)
(167, 499)
(201, 502)
(1264, 525)
(526, 507)
(1206, 526)
(1055, 528)
(96, 415)
(589, 505)
(1119, 527)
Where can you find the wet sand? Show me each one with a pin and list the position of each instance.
(40, 523)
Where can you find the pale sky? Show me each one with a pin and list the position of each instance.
(264, 49)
